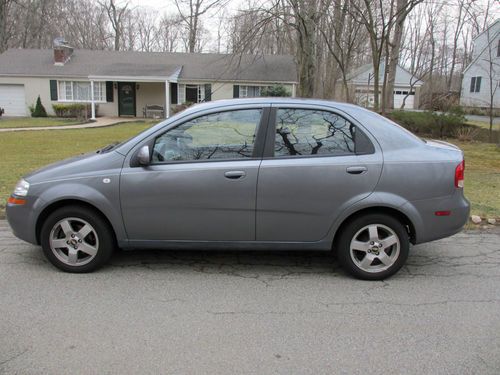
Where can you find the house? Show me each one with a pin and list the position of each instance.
(124, 83)
(406, 86)
(475, 90)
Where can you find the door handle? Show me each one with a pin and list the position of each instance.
(356, 170)
(234, 175)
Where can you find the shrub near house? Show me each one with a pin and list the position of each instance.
(432, 124)
(73, 110)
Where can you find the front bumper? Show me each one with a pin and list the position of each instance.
(22, 220)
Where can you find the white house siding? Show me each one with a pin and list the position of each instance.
(480, 68)
(32, 88)
(364, 96)
(148, 92)
(35, 86)
(224, 90)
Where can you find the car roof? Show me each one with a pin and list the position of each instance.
(274, 101)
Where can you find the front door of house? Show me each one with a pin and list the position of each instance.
(126, 98)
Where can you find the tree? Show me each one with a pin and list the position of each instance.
(379, 19)
(190, 12)
(39, 110)
(493, 73)
(116, 15)
(4, 37)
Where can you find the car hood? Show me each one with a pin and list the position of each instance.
(88, 164)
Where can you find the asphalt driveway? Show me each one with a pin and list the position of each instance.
(231, 313)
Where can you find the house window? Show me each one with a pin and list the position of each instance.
(475, 84)
(190, 93)
(250, 91)
(498, 48)
(79, 91)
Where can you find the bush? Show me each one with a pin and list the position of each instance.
(432, 124)
(277, 90)
(181, 107)
(74, 110)
(39, 110)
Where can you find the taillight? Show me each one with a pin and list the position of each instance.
(459, 175)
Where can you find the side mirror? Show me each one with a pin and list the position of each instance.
(143, 156)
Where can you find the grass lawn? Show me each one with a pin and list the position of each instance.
(26, 151)
(36, 122)
(483, 124)
(482, 177)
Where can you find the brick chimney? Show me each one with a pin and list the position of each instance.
(62, 51)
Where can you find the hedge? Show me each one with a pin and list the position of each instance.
(74, 110)
(431, 124)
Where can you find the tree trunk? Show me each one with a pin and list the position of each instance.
(3, 25)
(395, 48)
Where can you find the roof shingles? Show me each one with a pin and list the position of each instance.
(199, 66)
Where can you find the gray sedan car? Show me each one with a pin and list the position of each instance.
(270, 174)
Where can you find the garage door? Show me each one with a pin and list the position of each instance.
(399, 96)
(12, 100)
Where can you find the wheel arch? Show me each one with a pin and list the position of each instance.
(390, 211)
(47, 211)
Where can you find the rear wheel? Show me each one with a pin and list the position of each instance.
(373, 247)
(77, 239)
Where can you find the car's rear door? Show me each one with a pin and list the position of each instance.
(201, 184)
(317, 162)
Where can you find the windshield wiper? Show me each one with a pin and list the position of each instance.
(107, 148)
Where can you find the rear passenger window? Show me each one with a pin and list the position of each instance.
(301, 132)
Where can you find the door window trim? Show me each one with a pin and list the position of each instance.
(258, 148)
(271, 134)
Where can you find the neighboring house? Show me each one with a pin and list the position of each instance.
(124, 83)
(406, 87)
(476, 78)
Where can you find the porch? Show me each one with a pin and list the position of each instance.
(133, 97)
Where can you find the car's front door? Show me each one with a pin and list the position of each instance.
(317, 164)
(201, 183)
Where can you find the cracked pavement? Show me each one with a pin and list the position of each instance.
(180, 312)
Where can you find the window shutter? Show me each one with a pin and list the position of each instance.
(173, 93)
(109, 91)
(208, 92)
(53, 89)
(478, 84)
(472, 84)
(236, 91)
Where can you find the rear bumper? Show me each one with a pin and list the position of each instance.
(436, 227)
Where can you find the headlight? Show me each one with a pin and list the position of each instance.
(22, 187)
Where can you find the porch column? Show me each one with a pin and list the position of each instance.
(167, 99)
(92, 101)
(294, 90)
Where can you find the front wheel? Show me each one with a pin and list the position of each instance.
(373, 247)
(77, 239)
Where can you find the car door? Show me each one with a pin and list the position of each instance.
(201, 182)
(316, 164)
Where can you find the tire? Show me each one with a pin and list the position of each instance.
(77, 239)
(373, 247)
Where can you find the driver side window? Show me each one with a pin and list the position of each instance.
(223, 135)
